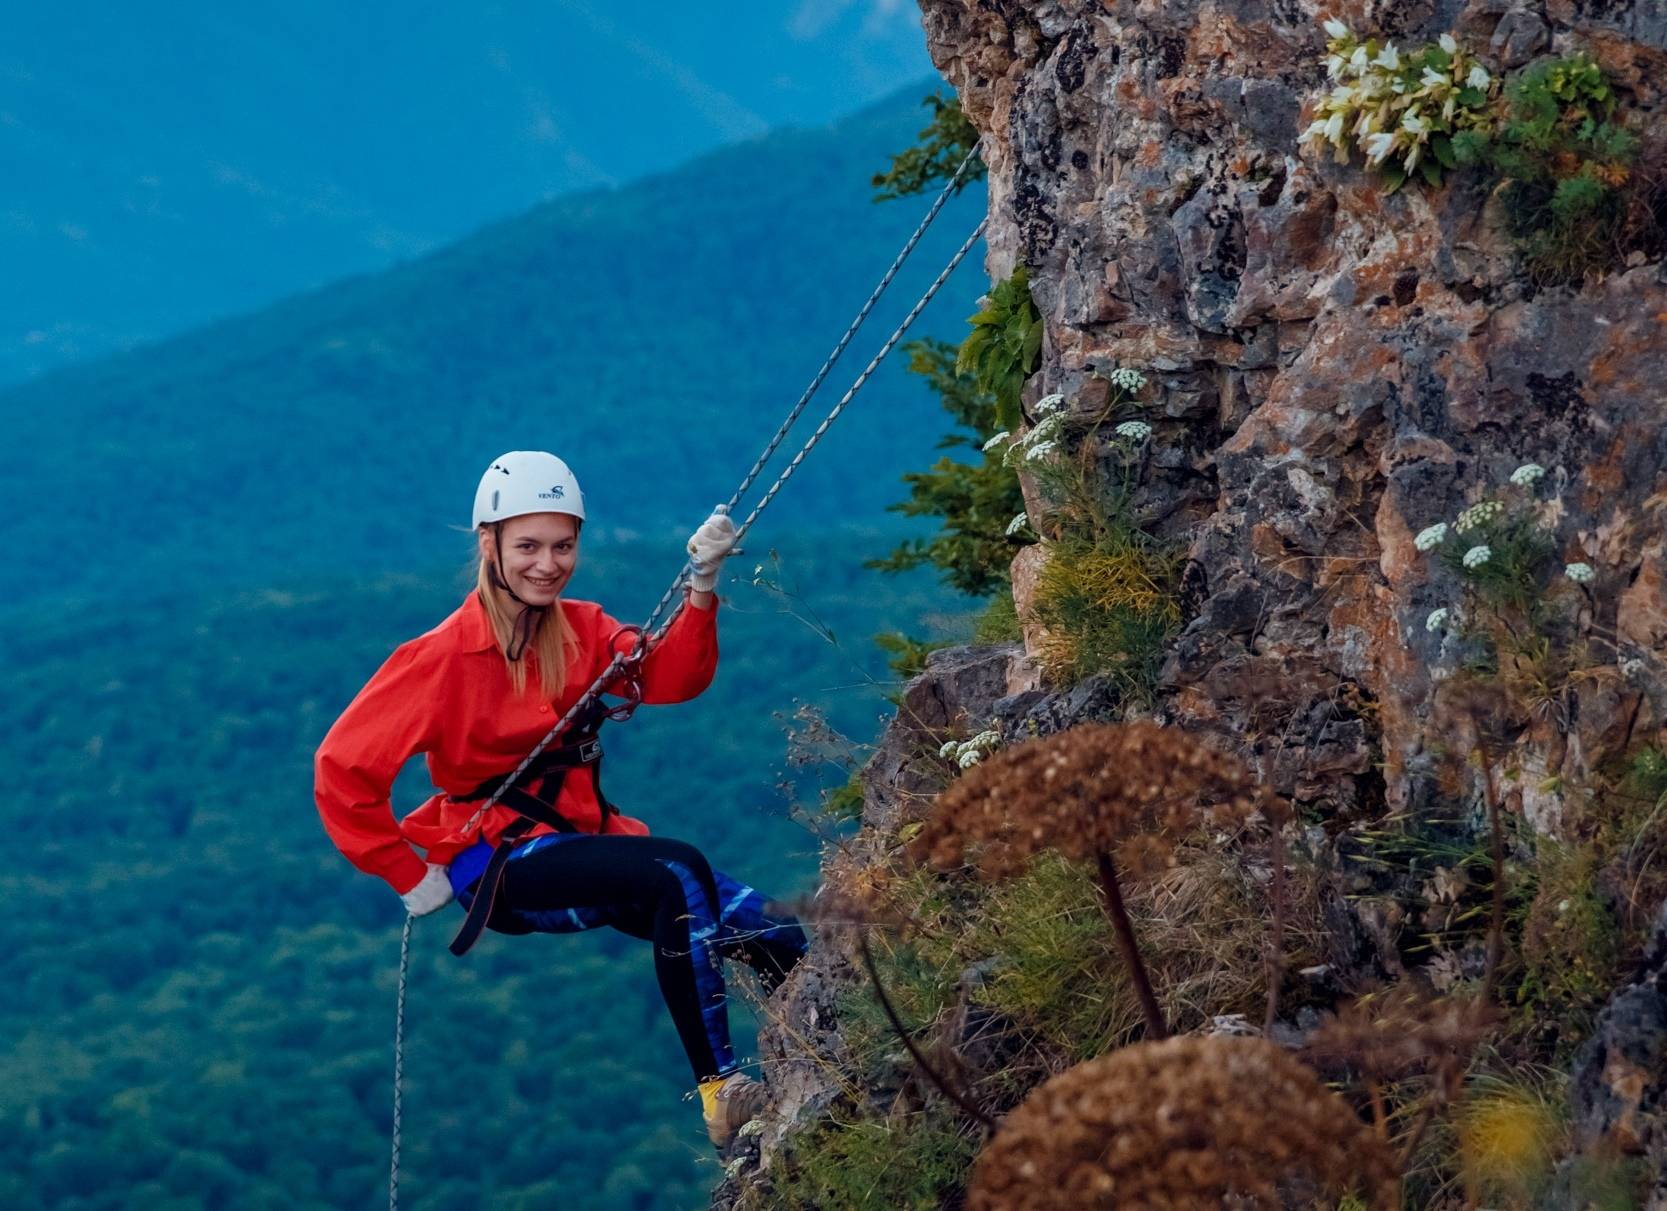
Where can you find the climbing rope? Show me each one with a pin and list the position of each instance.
(874, 297)
(647, 632)
(399, 1059)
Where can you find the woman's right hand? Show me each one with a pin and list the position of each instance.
(432, 894)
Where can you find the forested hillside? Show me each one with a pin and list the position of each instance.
(652, 334)
(202, 988)
(221, 537)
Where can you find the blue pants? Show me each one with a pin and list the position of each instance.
(652, 888)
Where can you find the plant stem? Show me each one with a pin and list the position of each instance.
(1121, 926)
(953, 1094)
(1276, 943)
(1496, 922)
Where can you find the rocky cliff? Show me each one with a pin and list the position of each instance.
(1333, 368)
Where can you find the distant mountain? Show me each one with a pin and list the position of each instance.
(652, 334)
(168, 164)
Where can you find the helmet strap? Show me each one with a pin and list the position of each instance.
(527, 623)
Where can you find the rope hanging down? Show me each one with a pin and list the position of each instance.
(648, 632)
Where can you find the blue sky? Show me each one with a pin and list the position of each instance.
(168, 164)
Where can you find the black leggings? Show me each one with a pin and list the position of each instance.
(662, 891)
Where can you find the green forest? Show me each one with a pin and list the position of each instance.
(255, 514)
(203, 990)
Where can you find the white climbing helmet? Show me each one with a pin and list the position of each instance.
(527, 481)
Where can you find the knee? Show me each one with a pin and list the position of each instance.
(688, 857)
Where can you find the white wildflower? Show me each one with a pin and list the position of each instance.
(1478, 514)
(1449, 106)
(1134, 430)
(1478, 77)
(1527, 474)
(1045, 429)
(1126, 378)
(1415, 123)
(986, 739)
(1414, 155)
(1336, 28)
(1449, 43)
(1580, 573)
(1019, 522)
(1050, 403)
(1359, 58)
(1389, 58)
(968, 758)
(1343, 96)
(1433, 79)
(1436, 620)
(1334, 128)
(1334, 65)
(999, 439)
(948, 747)
(1314, 132)
(1431, 537)
(1379, 146)
(1040, 451)
(1478, 555)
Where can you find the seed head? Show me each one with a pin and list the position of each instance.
(1188, 1123)
(1399, 1033)
(1131, 790)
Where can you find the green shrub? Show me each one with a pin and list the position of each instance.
(1107, 604)
(1571, 942)
(944, 143)
(910, 1164)
(1107, 593)
(975, 500)
(1004, 347)
(1571, 197)
(906, 655)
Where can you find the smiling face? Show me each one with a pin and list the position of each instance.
(540, 551)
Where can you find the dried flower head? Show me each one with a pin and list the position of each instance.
(1186, 1123)
(1399, 1033)
(1131, 790)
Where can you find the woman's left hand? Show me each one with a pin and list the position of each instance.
(707, 548)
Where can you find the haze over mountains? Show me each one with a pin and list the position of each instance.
(169, 164)
(653, 334)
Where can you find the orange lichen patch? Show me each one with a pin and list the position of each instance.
(1605, 476)
(1228, 45)
(1183, 1124)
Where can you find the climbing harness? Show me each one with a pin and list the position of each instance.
(586, 749)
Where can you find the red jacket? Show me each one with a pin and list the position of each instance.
(448, 694)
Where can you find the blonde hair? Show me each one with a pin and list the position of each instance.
(551, 646)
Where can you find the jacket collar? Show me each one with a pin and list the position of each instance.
(474, 628)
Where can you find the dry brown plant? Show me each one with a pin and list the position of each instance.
(1116, 795)
(1398, 1035)
(1183, 1124)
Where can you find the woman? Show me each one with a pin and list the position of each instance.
(476, 694)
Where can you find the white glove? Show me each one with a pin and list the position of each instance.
(434, 892)
(707, 548)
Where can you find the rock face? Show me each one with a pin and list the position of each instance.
(1334, 368)
(1331, 370)
(1619, 1094)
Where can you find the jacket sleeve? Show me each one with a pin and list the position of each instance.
(389, 721)
(681, 663)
